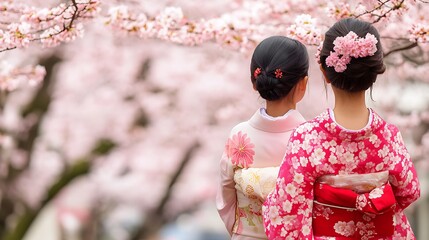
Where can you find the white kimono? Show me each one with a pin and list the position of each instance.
(249, 168)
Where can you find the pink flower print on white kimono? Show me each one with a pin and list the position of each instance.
(248, 171)
(240, 150)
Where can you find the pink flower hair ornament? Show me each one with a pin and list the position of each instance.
(258, 71)
(348, 47)
(279, 73)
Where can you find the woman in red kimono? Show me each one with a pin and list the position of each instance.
(346, 173)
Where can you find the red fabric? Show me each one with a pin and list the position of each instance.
(377, 211)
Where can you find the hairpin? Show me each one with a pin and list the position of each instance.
(279, 73)
(257, 72)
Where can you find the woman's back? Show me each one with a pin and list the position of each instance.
(255, 148)
(322, 147)
(263, 141)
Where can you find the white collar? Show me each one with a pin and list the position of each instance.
(284, 123)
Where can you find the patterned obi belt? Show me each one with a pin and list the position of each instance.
(356, 210)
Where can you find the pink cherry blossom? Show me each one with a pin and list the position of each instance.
(339, 11)
(419, 33)
(239, 29)
(12, 78)
(350, 46)
(305, 30)
(339, 63)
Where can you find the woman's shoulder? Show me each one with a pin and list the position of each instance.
(240, 127)
(312, 124)
(385, 126)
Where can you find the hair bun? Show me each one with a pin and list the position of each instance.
(269, 88)
(278, 64)
(361, 73)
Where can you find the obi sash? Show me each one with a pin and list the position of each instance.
(252, 185)
(346, 214)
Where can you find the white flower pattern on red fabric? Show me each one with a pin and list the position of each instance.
(322, 211)
(345, 228)
(361, 202)
(376, 193)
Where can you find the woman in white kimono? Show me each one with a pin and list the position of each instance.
(255, 148)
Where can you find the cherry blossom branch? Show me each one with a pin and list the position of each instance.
(240, 29)
(419, 32)
(157, 216)
(7, 49)
(379, 7)
(29, 215)
(75, 13)
(380, 11)
(414, 59)
(49, 26)
(402, 48)
(384, 15)
(395, 38)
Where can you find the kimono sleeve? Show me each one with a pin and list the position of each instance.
(226, 197)
(287, 211)
(402, 174)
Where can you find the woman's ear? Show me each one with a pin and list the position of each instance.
(303, 83)
(299, 89)
(324, 74)
(254, 86)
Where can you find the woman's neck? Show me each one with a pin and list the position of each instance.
(279, 108)
(350, 109)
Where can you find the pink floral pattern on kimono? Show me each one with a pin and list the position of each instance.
(322, 147)
(239, 149)
(248, 171)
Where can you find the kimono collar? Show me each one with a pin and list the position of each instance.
(368, 125)
(327, 120)
(281, 124)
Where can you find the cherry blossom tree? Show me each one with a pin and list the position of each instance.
(122, 106)
(241, 28)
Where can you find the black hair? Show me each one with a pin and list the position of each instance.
(361, 73)
(278, 52)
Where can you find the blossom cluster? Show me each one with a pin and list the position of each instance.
(172, 25)
(22, 24)
(305, 29)
(339, 11)
(371, 11)
(13, 77)
(350, 46)
(241, 29)
(419, 33)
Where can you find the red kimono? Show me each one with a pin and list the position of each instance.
(304, 207)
